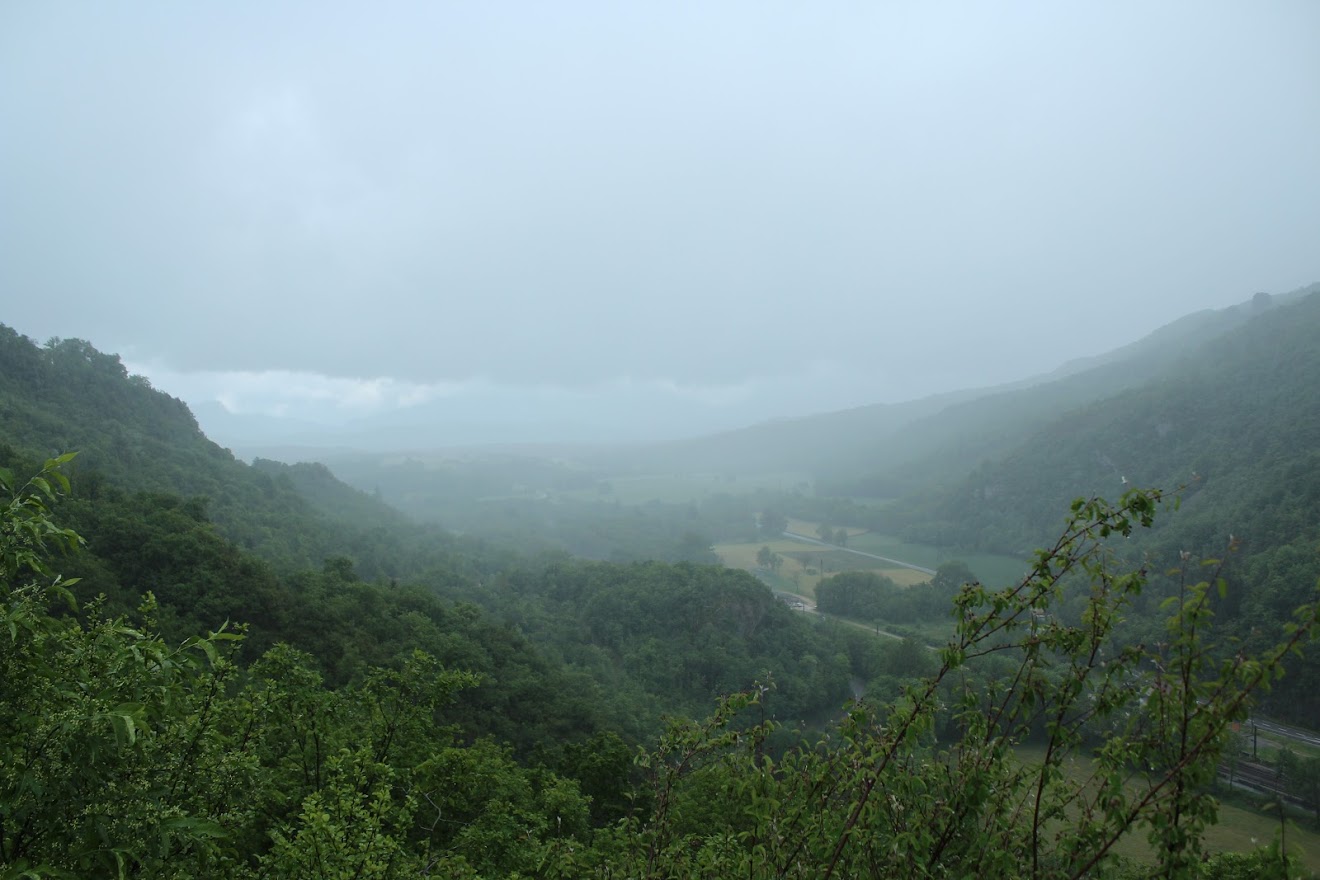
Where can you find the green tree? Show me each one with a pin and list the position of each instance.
(121, 755)
(910, 789)
(180, 764)
(951, 576)
(111, 754)
(693, 547)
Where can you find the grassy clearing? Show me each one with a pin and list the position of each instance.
(931, 632)
(826, 561)
(905, 577)
(793, 576)
(1268, 744)
(993, 570)
(744, 555)
(804, 565)
(1238, 829)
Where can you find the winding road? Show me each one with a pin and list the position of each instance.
(794, 536)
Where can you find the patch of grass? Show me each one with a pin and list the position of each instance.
(905, 577)
(992, 569)
(930, 632)
(1268, 743)
(1238, 829)
(841, 559)
(805, 565)
(793, 576)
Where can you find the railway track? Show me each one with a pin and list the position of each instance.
(1258, 777)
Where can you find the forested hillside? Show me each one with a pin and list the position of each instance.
(260, 672)
(126, 753)
(935, 451)
(300, 557)
(892, 449)
(1235, 423)
(67, 396)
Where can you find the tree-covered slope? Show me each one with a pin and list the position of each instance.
(1235, 423)
(67, 396)
(891, 449)
(299, 557)
(1238, 420)
(469, 717)
(938, 450)
(125, 753)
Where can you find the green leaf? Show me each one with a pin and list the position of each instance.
(194, 826)
(125, 728)
(124, 719)
(208, 649)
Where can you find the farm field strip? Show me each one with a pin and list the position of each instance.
(897, 562)
(993, 569)
(801, 568)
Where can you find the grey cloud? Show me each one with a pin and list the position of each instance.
(930, 195)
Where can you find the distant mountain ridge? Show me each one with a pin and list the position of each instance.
(1221, 407)
(891, 449)
(1231, 416)
(947, 445)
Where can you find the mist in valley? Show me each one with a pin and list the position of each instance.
(420, 227)
(498, 386)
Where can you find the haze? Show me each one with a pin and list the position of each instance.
(517, 222)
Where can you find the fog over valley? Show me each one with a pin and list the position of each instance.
(455, 225)
(591, 440)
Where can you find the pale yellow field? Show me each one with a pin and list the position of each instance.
(795, 573)
(744, 556)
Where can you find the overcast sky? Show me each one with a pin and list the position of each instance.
(330, 210)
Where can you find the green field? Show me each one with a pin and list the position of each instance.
(804, 564)
(993, 570)
(1238, 830)
(793, 576)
